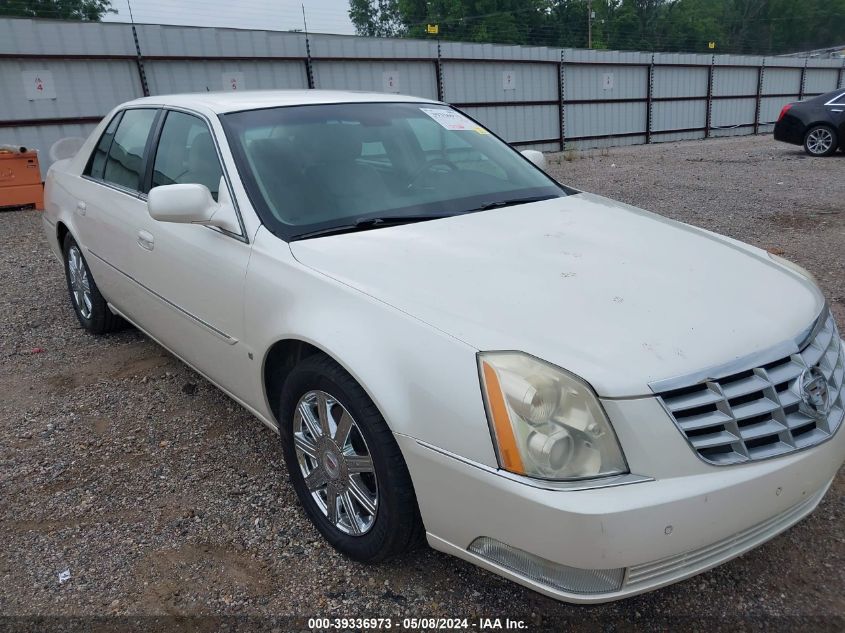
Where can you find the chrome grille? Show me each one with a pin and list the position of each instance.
(759, 412)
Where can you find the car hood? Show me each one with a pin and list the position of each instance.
(614, 294)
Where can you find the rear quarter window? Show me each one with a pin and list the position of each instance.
(97, 162)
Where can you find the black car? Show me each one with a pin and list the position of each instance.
(818, 123)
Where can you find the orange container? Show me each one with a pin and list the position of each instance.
(20, 180)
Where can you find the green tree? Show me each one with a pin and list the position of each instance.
(376, 18)
(504, 21)
(91, 10)
(737, 26)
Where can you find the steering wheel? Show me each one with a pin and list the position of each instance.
(429, 166)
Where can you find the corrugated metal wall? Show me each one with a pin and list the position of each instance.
(545, 98)
(365, 64)
(679, 96)
(605, 97)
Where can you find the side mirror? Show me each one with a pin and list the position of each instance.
(535, 157)
(192, 204)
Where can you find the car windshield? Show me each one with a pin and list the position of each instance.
(317, 169)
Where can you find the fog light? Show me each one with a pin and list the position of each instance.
(547, 573)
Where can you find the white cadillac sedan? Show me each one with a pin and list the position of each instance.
(581, 396)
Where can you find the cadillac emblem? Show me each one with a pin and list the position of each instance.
(814, 392)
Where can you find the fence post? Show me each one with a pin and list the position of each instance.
(309, 69)
(649, 90)
(803, 79)
(839, 76)
(709, 96)
(139, 61)
(561, 91)
(760, 71)
(438, 73)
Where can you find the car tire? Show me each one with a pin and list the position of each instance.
(352, 481)
(821, 140)
(89, 305)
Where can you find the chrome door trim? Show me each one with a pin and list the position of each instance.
(219, 333)
(835, 99)
(132, 193)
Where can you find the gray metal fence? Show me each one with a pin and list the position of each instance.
(57, 79)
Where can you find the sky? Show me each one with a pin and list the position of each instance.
(324, 16)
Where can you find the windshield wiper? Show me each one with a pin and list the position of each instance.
(365, 224)
(498, 204)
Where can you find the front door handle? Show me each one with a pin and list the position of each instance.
(146, 240)
(81, 207)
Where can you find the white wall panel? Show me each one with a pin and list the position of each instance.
(94, 67)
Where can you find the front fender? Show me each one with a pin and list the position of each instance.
(424, 381)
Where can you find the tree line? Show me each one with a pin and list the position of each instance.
(727, 26)
(90, 10)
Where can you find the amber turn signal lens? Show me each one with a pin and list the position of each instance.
(509, 453)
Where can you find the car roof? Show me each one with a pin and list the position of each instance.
(221, 102)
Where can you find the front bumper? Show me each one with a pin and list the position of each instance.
(659, 531)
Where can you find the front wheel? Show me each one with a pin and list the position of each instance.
(90, 307)
(345, 465)
(820, 140)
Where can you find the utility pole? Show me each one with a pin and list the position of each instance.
(589, 23)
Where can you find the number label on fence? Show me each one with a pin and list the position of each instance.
(233, 81)
(38, 84)
(508, 80)
(390, 81)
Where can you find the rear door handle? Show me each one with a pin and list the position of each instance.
(81, 207)
(146, 240)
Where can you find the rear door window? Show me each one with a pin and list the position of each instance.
(125, 160)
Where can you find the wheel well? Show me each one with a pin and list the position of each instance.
(61, 232)
(282, 357)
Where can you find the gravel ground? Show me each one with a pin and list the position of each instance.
(163, 497)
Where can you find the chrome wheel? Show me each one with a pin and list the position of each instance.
(820, 140)
(80, 284)
(335, 462)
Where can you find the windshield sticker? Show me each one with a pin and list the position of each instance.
(450, 119)
(480, 130)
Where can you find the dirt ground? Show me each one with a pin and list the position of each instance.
(162, 497)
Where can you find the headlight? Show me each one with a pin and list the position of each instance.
(793, 267)
(546, 422)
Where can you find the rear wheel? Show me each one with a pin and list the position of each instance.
(89, 305)
(820, 140)
(345, 465)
